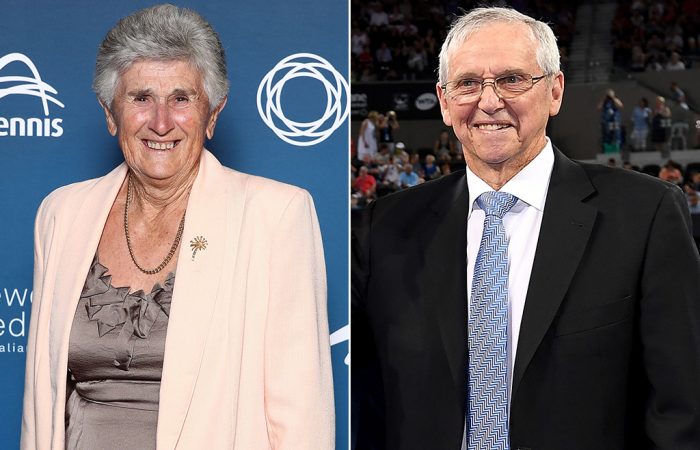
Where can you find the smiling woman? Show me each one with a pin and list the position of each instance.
(137, 341)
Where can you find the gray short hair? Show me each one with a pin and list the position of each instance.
(547, 53)
(162, 33)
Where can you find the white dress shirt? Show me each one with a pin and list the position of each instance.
(522, 225)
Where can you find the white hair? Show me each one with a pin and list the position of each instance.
(547, 53)
(162, 33)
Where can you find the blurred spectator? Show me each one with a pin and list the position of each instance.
(365, 184)
(392, 173)
(672, 172)
(387, 126)
(430, 170)
(417, 62)
(675, 62)
(660, 124)
(444, 147)
(639, 60)
(378, 17)
(408, 177)
(610, 121)
(359, 40)
(678, 95)
(416, 164)
(445, 169)
(641, 116)
(694, 181)
(693, 201)
(367, 139)
(384, 60)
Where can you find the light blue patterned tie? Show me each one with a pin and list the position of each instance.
(487, 407)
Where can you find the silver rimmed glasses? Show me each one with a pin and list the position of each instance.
(508, 86)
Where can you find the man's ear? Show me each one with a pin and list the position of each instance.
(557, 94)
(443, 105)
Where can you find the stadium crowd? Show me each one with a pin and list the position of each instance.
(656, 35)
(400, 39)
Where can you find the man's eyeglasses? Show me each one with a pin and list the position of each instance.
(506, 87)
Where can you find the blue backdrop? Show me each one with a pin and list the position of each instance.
(288, 124)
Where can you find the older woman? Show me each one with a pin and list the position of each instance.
(228, 266)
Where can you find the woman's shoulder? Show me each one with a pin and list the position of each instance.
(261, 189)
(67, 198)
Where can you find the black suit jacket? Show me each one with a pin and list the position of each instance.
(608, 354)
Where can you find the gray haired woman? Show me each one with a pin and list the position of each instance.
(177, 303)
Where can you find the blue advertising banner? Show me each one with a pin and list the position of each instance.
(286, 119)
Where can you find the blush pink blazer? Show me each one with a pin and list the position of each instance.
(247, 357)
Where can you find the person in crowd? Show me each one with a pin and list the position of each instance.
(660, 125)
(365, 184)
(610, 119)
(359, 40)
(678, 96)
(383, 58)
(641, 116)
(408, 177)
(229, 266)
(444, 147)
(675, 62)
(531, 302)
(367, 137)
(387, 127)
(417, 165)
(430, 170)
(693, 200)
(392, 173)
(672, 172)
(445, 169)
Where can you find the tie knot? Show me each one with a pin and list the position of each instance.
(496, 203)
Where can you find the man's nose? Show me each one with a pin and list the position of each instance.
(490, 101)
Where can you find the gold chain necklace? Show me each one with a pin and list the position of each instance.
(176, 242)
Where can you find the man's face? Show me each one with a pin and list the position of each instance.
(494, 131)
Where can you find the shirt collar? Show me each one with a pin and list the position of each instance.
(530, 185)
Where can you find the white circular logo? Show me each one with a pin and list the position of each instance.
(303, 133)
(426, 101)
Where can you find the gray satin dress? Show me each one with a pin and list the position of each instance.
(115, 361)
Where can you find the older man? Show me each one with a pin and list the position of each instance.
(531, 303)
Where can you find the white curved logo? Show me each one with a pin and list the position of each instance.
(28, 86)
(303, 133)
(341, 335)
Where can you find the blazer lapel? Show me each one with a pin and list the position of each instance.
(566, 228)
(82, 238)
(214, 216)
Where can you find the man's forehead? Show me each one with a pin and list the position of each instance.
(498, 47)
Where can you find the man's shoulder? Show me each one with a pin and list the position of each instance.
(417, 198)
(416, 207)
(624, 184)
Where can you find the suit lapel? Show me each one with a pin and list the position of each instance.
(215, 216)
(566, 227)
(446, 260)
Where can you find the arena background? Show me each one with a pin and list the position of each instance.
(394, 51)
(71, 143)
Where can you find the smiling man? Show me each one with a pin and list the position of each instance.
(532, 302)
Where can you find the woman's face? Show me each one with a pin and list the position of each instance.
(160, 114)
